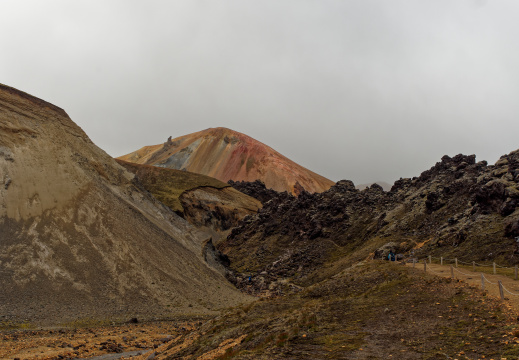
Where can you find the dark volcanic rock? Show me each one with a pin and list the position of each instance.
(456, 208)
(256, 189)
(491, 196)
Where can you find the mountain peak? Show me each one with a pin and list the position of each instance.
(226, 154)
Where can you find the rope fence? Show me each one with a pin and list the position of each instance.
(455, 261)
(462, 272)
(434, 272)
(511, 293)
(482, 265)
(488, 281)
(443, 261)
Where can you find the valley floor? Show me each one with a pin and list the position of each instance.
(87, 342)
(374, 310)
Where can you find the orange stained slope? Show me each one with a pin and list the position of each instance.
(229, 155)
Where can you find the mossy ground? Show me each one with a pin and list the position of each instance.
(370, 311)
(168, 184)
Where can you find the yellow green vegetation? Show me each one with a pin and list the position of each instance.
(13, 325)
(167, 185)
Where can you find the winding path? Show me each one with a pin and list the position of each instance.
(474, 278)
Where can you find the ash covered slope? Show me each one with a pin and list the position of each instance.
(79, 238)
(229, 155)
(458, 208)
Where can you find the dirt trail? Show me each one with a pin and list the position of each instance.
(474, 278)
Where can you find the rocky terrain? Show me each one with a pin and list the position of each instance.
(226, 155)
(371, 311)
(374, 310)
(458, 208)
(81, 239)
(384, 185)
(256, 189)
(92, 339)
(88, 243)
(207, 203)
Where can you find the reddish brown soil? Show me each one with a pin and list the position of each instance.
(229, 155)
(89, 342)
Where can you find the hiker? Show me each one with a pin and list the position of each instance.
(391, 256)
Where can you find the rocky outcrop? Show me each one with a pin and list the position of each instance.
(226, 155)
(256, 189)
(203, 201)
(217, 209)
(458, 208)
(81, 238)
(383, 184)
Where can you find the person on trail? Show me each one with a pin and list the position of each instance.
(391, 256)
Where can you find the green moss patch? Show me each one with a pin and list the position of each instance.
(168, 184)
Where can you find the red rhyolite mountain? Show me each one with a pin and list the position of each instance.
(229, 155)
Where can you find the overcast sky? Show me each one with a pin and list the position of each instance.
(361, 90)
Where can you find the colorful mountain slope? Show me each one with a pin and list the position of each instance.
(229, 155)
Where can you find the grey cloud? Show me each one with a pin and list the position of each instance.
(364, 90)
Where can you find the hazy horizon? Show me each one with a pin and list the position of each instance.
(360, 90)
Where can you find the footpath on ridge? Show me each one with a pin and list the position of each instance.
(511, 286)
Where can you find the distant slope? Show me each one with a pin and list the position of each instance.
(168, 184)
(229, 155)
(203, 201)
(79, 239)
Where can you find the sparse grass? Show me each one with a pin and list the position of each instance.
(282, 339)
(12, 325)
(378, 306)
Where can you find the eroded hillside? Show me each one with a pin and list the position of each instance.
(205, 202)
(80, 239)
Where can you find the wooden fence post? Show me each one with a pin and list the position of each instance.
(482, 282)
(515, 272)
(430, 259)
(494, 264)
(441, 260)
(452, 272)
(425, 265)
(474, 266)
(456, 260)
(501, 290)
